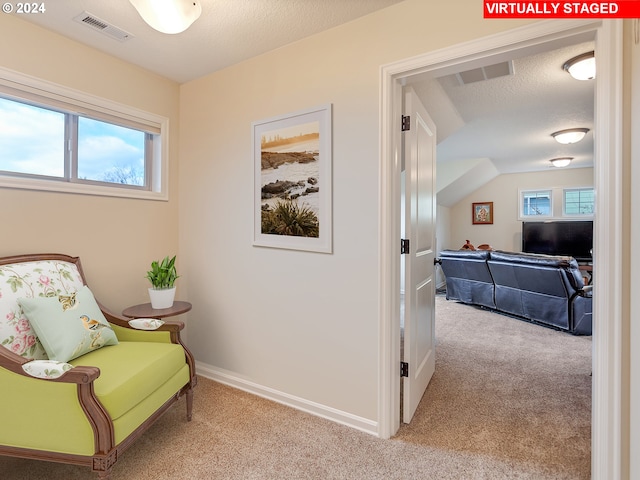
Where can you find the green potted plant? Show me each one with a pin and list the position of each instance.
(162, 277)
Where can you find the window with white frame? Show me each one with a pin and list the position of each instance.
(578, 201)
(536, 203)
(52, 138)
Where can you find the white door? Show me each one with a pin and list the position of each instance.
(420, 227)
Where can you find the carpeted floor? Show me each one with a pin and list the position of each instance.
(509, 400)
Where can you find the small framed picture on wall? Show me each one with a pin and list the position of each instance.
(482, 213)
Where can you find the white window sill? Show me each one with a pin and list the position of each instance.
(80, 188)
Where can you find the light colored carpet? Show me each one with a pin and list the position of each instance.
(509, 400)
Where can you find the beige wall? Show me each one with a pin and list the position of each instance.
(443, 238)
(304, 324)
(506, 231)
(300, 323)
(116, 238)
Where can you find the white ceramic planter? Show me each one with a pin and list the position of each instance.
(162, 298)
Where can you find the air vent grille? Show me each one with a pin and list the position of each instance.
(101, 26)
(94, 22)
(485, 73)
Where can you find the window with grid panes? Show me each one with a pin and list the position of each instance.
(536, 203)
(578, 201)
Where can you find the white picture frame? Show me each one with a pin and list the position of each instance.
(292, 156)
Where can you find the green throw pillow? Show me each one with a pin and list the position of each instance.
(68, 326)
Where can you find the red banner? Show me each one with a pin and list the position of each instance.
(561, 9)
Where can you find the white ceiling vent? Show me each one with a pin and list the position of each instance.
(485, 73)
(101, 26)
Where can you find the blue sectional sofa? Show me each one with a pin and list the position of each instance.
(544, 289)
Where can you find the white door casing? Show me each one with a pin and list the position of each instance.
(607, 415)
(420, 226)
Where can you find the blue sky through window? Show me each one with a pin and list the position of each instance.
(32, 141)
(110, 153)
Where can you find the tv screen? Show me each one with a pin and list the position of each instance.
(573, 238)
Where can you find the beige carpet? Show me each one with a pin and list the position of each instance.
(509, 400)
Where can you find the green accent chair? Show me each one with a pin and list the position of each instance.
(89, 409)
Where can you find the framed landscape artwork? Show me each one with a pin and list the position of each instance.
(292, 181)
(482, 213)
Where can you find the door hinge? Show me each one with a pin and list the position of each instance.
(404, 246)
(406, 123)
(404, 369)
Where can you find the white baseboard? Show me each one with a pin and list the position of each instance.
(338, 416)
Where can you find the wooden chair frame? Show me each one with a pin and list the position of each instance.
(106, 452)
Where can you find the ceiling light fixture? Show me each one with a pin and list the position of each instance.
(570, 135)
(561, 161)
(168, 16)
(582, 67)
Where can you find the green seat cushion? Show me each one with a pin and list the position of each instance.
(131, 371)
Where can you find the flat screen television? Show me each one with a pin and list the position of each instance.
(573, 238)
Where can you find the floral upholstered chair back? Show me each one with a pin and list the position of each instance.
(31, 279)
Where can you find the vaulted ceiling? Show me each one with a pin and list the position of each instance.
(510, 117)
(496, 116)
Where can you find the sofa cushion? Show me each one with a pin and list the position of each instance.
(68, 325)
(568, 265)
(535, 286)
(468, 277)
(465, 254)
(131, 371)
(30, 279)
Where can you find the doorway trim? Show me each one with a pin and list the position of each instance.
(606, 452)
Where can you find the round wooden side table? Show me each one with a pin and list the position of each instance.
(144, 310)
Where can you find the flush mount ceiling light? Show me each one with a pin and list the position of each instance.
(582, 67)
(168, 16)
(570, 135)
(561, 161)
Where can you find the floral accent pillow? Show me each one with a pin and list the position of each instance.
(30, 279)
(68, 325)
(48, 369)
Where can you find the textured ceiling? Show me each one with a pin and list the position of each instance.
(507, 120)
(510, 119)
(227, 32)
